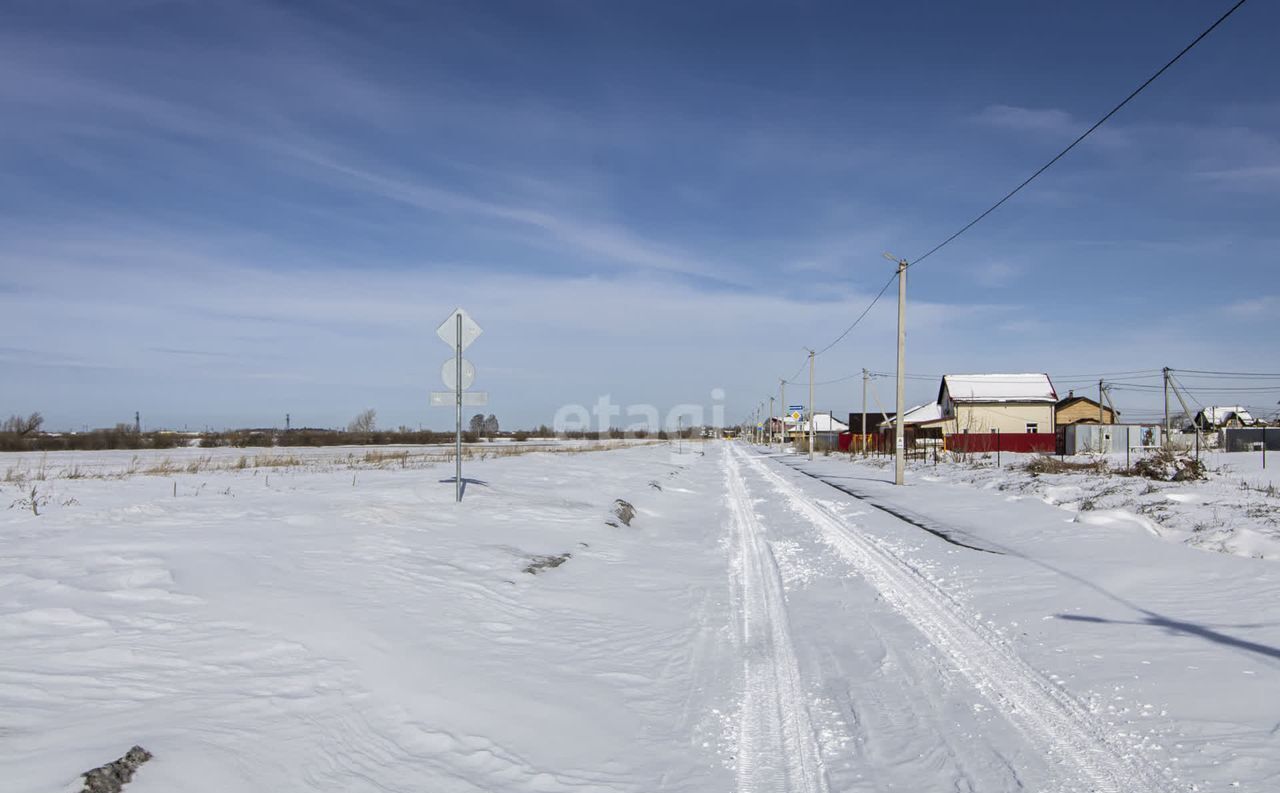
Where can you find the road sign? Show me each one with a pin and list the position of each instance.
(458, 331)
(440, 399)
(795, 414)
(449, 373)
(448, 330)
(796, 407)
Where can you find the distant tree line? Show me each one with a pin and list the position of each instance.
(23, 434)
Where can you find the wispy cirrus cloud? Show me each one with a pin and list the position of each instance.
(1248, 178)
(997, 273)
(1026, 119)
(1254, 307)
(1046, 122)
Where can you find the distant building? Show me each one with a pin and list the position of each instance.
(921, 421)
(1074, 409)
(1220, 417)
(826, 429)
(1005, 403)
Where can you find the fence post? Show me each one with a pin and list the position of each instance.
(1128, 444)
(1264, 448)
(998, 465)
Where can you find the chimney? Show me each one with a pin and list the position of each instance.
(1071, 393)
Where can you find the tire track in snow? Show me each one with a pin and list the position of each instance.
(777, 749)
(1049, 717)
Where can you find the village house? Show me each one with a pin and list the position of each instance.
(826, 430)
(1073, 409)
(1005, 403)
(1223, 417)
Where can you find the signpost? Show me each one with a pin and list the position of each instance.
(458, 331)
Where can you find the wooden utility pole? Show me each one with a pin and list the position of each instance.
(1100, 418)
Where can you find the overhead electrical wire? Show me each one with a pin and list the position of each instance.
(1204, 373)
(1026, 181)
(1078, 140)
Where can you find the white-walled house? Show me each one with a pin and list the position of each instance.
(1009, 403)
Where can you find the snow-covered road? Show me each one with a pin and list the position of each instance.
(345, 626)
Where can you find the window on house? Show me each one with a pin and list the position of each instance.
(1032, 428)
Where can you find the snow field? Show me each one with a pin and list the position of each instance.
(343, 625)
(315, 634)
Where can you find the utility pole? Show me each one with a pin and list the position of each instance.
(137, 422)
(811, 416)
(457, 438)
(286, 422)
(782, 397)
(1165, 372)
(864, 413)
(1100, 421)
(770, 421)
(899, 439)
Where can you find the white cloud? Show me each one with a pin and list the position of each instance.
(1254, 307)
(997, 273)
(1025, 119)
(1250, 177)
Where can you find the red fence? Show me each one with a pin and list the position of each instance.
(1027, 442)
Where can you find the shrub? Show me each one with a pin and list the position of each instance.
(1168, 465)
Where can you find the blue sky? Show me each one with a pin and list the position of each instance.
(219, 213)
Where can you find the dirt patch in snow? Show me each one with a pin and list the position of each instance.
(113, 776)
(539, 563)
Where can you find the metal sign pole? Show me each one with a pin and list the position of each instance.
(457, 446)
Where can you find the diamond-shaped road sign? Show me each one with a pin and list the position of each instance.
(448, 330)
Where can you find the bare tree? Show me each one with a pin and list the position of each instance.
(491, 426)
(477, 424)
(365, 421)
(22, 426)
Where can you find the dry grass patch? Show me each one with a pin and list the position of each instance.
(1045, 464)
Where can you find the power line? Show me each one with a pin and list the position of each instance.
(865, 311)
(1024, 183)
(1077, 141)
(827, 382)
(1224, 374)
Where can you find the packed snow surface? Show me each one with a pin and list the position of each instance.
(333, 621)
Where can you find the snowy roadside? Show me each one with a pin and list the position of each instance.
(1173, 652)
(1236, 510)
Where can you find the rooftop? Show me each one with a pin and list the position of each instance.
(1027, 387)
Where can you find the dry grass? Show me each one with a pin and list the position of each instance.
(371, 459)
(1045, 464)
